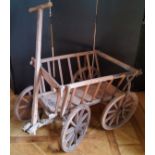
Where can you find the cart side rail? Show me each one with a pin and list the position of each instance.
(118, 62)
(120, 81)
(71, 61)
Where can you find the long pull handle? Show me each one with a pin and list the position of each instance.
(41, 6)
(37, 66)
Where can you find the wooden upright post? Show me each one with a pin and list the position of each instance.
(37, 66)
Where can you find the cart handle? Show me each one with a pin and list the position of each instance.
(41, 6)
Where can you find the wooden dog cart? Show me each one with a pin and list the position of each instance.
(51, 96)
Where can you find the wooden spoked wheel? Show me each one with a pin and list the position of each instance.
(75, 127)
(119, 111)
(84, 74)
(23, 104)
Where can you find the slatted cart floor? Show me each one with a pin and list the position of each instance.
(128, 140)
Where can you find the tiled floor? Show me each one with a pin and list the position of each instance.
(128, 140)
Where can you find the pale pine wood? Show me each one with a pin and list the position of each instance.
(60, 72)
(70, 69)
(37, 66)
(79, 66)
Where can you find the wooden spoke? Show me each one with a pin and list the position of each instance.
(119, 111)
(112, 121)
(25, 100)
(111, 111)
(73, 123)
(70, 130)
(23, 106)
(84, 117)
(109, 118)
(75, 127)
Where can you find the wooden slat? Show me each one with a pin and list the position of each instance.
(97, 89)
(43, 84)
(120, 82)
(88, 63)
(37, 67)
(85, 92)
(79, 66)
(51, 81)
(70, 69)
(60, 72)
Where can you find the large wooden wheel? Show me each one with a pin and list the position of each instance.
(119, 111)
(83, 74)
(75, 127)
(23, 104)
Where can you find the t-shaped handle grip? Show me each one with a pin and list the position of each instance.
(41, 6)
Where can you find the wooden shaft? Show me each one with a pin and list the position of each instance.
(49, 70)
(37, 66)
(41, 7)
(52, 49)
(94, 36)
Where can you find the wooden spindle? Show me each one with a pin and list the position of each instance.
(97, 63)
(60, 71)
(70, 69)
(120, 82)
(79, 66)
(97, 89)
(49, 67)
(72, 95)
(85, 92)
(89, 68)
(43, 84)
(109, 84)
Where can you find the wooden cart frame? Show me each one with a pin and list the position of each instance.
(72, 100)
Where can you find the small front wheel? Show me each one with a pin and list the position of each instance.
(75, 127)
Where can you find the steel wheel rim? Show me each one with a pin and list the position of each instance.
(119, 111)
(75, 128)
(23, 104)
